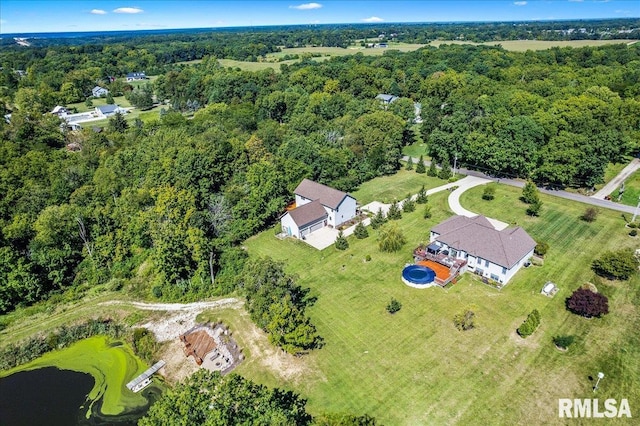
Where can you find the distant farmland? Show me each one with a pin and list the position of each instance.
(323, 53)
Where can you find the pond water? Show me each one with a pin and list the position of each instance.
(83, 384)
(46, 396)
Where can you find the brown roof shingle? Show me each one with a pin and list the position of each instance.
(328, 196)
(477, 237)
(308, 213)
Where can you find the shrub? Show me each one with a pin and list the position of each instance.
(587, 303)
(422, 197)
(541, 248)
(393, 306)
(394, 212)
(341, 242)
(409, 205)
(530, 324)
(632, 225)
(426, 213)
(619, 265)
(590, 214)
(465, 320)
(157, 291)
(367, 258)
(391, 238)
(360, 231)
(633, 232)
(378, 220)
(420, 168)
(409, 164)
(563, 342)
(489, 192)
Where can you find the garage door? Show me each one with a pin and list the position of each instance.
(317, 226)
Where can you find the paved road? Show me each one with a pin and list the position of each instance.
(556, 193)
(617, 181)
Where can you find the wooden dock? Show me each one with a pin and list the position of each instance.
(143, 380)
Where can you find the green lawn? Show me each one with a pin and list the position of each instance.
(388, 188)
(414, 367)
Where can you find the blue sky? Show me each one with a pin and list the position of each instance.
(19, 16)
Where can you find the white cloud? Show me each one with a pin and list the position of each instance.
(128, 10)
(373, 19)
(98, 12)
(306, 6)
(520, 3)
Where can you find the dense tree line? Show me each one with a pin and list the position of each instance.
(207, 398)
(34, 347)
(277, 305)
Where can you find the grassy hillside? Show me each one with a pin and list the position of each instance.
(414, 367)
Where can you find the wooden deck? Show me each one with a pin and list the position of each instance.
(198, 344)
(442, 272)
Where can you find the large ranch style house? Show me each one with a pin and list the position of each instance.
(317, 206)
(476, 246)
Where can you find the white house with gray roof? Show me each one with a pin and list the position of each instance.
(317, 206)
(490, 253)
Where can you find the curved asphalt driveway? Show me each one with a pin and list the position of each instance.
(555, 192)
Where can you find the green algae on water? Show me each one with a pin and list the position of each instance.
(111, 364)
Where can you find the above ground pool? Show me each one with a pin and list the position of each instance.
(418, 276)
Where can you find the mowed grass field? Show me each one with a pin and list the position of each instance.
(524, 45)
(271, 59)
(415, 368)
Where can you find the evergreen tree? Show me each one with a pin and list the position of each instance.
(534, 208)
(117, 123)
(378, 220)
(409, 205)
(433, 170)
(445, 171)
(426, 213)
(361, 231)
(409, 164)
(422, 197)
(530, 193)
(420, 168)
(341, 242)
(394, 212)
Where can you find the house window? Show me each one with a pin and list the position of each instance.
(454, 253)
(504, 271)
(486, 263)
(494, 277)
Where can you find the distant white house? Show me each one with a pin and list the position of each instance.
(490, 253)
(109, 110)
(59, 111)
(317, 206)
(134, 76)
(99, 91)
(386, 99)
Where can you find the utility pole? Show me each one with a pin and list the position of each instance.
(455, 162)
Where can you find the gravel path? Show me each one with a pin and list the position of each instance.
(181, 316)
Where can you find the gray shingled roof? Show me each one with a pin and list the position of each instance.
(477, 237)
(307, 214)
(328, 196)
